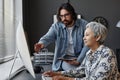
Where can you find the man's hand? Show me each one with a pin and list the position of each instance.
(73, 62)
(38, 46)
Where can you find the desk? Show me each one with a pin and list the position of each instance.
(6, 67)
(24, 75)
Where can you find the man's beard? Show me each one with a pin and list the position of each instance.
(67, 23)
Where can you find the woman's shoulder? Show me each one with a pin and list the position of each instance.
(107, 51)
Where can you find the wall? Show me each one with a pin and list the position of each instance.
(38, 17)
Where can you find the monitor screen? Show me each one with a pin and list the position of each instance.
(23, 49)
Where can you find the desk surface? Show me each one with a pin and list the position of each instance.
(24, 75)
(5, 68)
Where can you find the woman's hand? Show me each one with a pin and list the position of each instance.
(51, 73)
(62, 78)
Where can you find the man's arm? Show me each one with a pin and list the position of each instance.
(84, 49)
(49, 37)
(82, 54)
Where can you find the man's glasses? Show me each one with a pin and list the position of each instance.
(65, 15)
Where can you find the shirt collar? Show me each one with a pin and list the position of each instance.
(99, 49)
(90, 55)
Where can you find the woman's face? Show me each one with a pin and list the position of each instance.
(89, 38)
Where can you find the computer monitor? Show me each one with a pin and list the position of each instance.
(23, 49)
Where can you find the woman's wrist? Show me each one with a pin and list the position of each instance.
(59, 73)
(68, 78)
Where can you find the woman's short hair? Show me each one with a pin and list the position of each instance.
(69, 8)
(98, 30)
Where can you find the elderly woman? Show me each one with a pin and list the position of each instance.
(100, 61)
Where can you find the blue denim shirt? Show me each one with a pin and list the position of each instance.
(58, 34)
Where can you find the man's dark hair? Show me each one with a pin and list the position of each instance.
(69, 8)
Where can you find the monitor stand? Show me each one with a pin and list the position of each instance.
(13, 64)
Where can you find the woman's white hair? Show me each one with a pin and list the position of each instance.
(98, 30)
